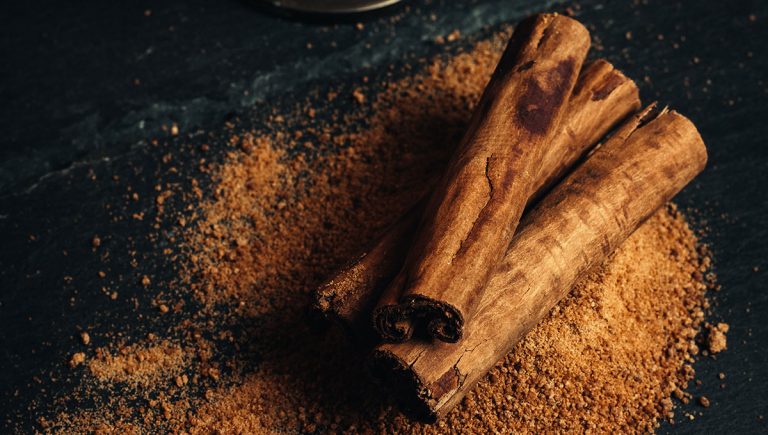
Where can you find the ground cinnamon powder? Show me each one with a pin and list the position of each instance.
(290, 203)
(607, 359)
(138, 365)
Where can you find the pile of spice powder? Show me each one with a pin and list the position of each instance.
(287, 206)
(138, 366)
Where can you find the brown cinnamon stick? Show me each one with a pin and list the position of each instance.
(602, 97)
(574, 228)
(474, 211)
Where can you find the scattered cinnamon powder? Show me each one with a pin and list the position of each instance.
(288, 204)
(137, 365)
(608, 359)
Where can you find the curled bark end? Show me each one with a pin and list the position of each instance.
(393, 323)
(444, 321)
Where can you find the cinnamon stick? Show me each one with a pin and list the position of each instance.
(472, 214)
(574, 228)
(602, 97)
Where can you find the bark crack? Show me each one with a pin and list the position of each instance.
(459, 377)
(417, 357)
(490, 195)
(488, 177)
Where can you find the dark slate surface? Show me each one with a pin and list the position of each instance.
(84, 85)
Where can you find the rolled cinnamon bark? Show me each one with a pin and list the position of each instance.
(474, 211)
(602, 97)
(574, 228)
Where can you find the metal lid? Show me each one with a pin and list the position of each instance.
(332, 6)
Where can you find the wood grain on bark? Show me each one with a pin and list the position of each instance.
(474, 211)
(574, 228)
(602, 98)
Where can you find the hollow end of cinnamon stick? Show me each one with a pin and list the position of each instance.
(393, 322)
(409, 391)
(444, 321)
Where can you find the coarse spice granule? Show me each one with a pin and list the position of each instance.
(288, 204)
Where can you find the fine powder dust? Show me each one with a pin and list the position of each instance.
(138, 366)
(287, 206)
